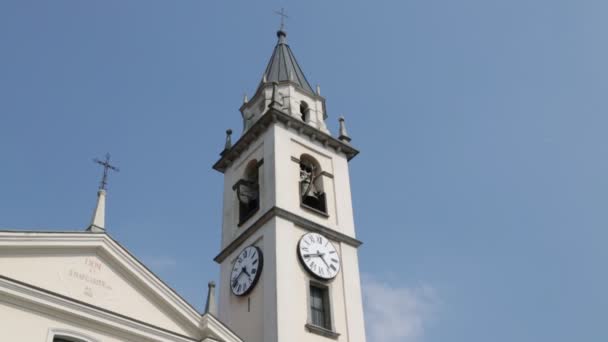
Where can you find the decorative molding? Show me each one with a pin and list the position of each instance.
(327, 174)
(313, 210)
(322, 331)
(273, 116)
(287, 215)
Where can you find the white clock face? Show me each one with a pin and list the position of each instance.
(319, 255)
(246, 270)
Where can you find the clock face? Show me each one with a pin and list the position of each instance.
(246, 270)
(319, 256)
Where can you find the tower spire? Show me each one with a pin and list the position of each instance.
(283, 66)
(210, 307)
(98, 222)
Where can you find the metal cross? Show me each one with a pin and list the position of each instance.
(283, 15)
(106, 166)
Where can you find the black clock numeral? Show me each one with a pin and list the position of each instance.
(334, 260)
(254, 270)
(305, 249)
(254, 262)
(332, 252)
(333, 267)
(319, 239)
(244, 253)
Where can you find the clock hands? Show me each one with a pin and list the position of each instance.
(320, 256)
(323, 259)
(243, 270)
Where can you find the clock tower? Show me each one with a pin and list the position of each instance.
(288, 262)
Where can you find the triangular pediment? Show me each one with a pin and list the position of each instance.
(94, 269)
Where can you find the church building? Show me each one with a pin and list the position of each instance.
(288, 253)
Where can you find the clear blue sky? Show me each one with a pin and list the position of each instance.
(481, 191)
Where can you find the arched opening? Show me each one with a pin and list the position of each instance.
(67, 338)
(248, 192)
(63, 335)
(304, 111)
(312, 194)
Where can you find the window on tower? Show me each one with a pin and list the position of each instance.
(248, 192)
(319, 306)
(312, 195)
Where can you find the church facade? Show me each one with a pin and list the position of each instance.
(288, 255)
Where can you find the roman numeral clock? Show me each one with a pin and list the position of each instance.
(319, 256)
(246, 270)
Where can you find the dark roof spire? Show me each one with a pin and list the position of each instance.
(283, 65)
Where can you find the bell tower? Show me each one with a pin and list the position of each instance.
(289, 268)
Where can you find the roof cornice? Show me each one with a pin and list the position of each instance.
(274, 116)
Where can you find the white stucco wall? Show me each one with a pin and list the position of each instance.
(252, 317)
(84, 276)
(338, 194)
(28, 325)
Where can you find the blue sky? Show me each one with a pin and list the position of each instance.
(480, 193)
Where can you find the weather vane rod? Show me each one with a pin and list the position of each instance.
(283, 15)
(106, 167)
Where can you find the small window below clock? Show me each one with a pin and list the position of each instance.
(319, 306)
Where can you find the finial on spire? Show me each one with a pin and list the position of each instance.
(343, 134)
(106, 166)
(245, 98)
(318, 90)
(228, 144)
(283, 15)
(210, 307)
